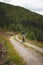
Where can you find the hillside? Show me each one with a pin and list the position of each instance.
(15, 18)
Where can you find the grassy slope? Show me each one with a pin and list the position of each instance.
(12, 56)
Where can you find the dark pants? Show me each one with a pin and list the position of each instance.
(23, 39)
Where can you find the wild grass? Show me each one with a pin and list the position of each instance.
(1, 38)
(12, 55)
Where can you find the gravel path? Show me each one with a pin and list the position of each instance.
(30, 56)
(33, 46)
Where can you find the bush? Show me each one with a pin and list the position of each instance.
(32, 36)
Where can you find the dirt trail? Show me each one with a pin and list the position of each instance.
(30, 56)
(33, 46)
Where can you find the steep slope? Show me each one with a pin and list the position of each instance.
(17, 18)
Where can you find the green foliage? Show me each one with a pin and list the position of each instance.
(1, 38)
(15, 18)
(32, 36)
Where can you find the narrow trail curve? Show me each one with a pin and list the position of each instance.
(30, 56)
(33, 46)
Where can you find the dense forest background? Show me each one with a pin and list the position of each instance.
(18, 19)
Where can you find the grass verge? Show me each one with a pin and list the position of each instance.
(12, 55)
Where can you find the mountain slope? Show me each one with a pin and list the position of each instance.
(17, 18)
